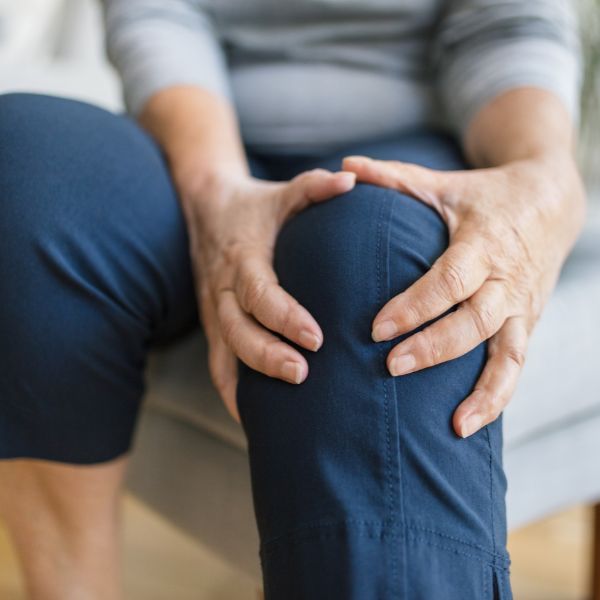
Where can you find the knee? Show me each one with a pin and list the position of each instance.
(344, 258)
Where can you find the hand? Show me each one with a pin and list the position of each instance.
(233, 223)
(511, 228)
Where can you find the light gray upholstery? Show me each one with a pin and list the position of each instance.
(190, 460)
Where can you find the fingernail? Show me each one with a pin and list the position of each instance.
(348, 178)
(384, 331)
(310, 340)
(471, 424)
(292, 371)
(402, 364)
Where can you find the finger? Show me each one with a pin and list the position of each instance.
(255, 346)
(222, 362)
(223, 371)
(315, 185)
(419, 182)
(506, 356)
(455, 276)
(260, 295)
(475, 320)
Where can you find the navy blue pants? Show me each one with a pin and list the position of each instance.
(362, 490)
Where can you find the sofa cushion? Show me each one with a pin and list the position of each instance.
(559, 384)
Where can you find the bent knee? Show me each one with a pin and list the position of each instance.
(351, 254)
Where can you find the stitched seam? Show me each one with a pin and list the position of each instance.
(486, 580)
(410, 526)
(401, 479)
(385, 394)
(456, 551)
(316, 531)
(387, 398)
(317, 525)
(388, 457)
(487, 435)
(304, 529)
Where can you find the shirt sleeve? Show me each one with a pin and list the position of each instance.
(155, 44)
(483, 48)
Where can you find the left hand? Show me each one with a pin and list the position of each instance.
(511, 228)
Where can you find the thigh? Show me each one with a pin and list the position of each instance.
(94, 268)
(361, 486)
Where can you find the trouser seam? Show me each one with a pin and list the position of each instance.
(382, 253)
(316, 525)
(493, 521)
(417, 528)
(491, 561)
(322, 530)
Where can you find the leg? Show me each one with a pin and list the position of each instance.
(94, 268)
(64, 521)
(361, 488)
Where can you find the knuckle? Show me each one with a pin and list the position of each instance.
(452, 281)
(305, 177)
(268, 357)
(286, 318)
(485, 319)
(411, 315)
(254, 293)
(516, 355)
(429, 347)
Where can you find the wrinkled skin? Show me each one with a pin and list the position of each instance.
(233, 229)
(511, 228)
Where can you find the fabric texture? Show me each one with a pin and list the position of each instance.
(361, 488)
(311, 74)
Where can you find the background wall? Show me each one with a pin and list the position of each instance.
(56, 46)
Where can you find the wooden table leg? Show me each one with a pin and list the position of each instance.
(595, 595)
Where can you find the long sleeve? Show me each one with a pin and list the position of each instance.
(158, 43)
(485, 47)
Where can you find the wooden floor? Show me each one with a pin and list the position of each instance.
(549, 561)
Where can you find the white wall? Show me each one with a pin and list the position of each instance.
(56, 47)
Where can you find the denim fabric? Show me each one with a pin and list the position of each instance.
(361, 488)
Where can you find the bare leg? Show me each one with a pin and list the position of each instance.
(64, 521)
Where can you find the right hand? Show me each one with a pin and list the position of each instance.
(233, 223)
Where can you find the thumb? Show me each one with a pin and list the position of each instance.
(419, 182)
(316, 185)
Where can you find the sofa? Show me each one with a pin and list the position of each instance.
(189, 460)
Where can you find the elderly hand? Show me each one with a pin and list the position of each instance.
(233, 223)
(511, 227)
